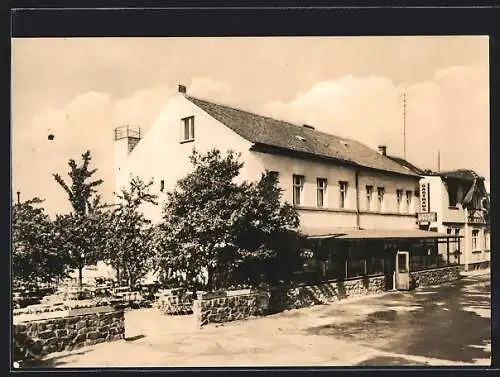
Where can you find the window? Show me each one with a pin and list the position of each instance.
(448, 231)
(321, 192)
(452, 194)
(187, 129)
(162, 185)
(408, 200)
(343, 194)
(457, 241)
(298, 186)
(475, 235)
(399, 197)
(369, 195)
(486, 240)
(380, 198)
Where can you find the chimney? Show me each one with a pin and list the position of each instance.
(182, 89)
(382, 149)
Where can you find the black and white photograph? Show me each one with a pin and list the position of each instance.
(288, 201)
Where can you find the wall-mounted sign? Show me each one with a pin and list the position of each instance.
(476, 217)
(426, 217)
(424, 197)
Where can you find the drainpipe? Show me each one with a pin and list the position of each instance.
(357, 198)
(466, 240)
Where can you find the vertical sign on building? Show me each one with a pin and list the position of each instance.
(423, 197)
(428, 197)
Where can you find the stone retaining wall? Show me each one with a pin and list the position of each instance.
(229, 306)
(435, 276)
(37, 338)
(285, 298)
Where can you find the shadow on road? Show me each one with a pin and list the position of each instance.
(444, 324)
(52, 362)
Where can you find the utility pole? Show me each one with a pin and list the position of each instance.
(404, 124)
(439, 160)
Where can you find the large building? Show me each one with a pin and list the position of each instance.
(351, 199)
(331, 181)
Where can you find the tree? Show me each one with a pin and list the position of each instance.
(81, 233)
(81, 193)
(216, 231)
(35, 256)
(81, 238)
(130, 241)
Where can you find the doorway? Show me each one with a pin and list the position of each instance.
(402, 271)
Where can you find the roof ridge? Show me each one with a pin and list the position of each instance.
(299, 127)
(265, 130)
(244, 111)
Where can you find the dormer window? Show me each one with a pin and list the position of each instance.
(187, 129)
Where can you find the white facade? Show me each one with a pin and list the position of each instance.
(163, 155)
(454, 219)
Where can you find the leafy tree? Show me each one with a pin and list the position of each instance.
(81, 238)
(216, 231)
(81, 233)
(81, 192)
(35, 256)
(130, 240)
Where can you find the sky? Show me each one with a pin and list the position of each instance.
(80, 89)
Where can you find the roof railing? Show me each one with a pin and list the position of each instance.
(126, 132)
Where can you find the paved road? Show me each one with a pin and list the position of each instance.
(446, 325)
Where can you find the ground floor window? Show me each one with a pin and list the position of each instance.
(425, 255)
(486, 240)
(475, 236)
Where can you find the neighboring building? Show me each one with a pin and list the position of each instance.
(357, 206)
(456, 203)
(459, 200)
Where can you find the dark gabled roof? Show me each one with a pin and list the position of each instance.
(462, 174)
(267, 131)
(408, 165)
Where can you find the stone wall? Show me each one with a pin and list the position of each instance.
(37, 338)
(435, 276)
(229, 306)
(285, 298)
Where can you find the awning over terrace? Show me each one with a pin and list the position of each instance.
(367, 234)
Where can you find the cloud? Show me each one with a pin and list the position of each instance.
(449, 113)
(86, 122)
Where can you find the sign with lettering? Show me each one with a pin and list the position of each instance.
(424, 197)
(476, 217)
(426, 217)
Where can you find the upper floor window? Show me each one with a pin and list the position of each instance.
(187, 131)
(408, 200)
(380, 198)
(321, 192)
(369, 196)
(452, 194)
(298, 187)
(399, 198)
(343, 194)
(475, 235)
